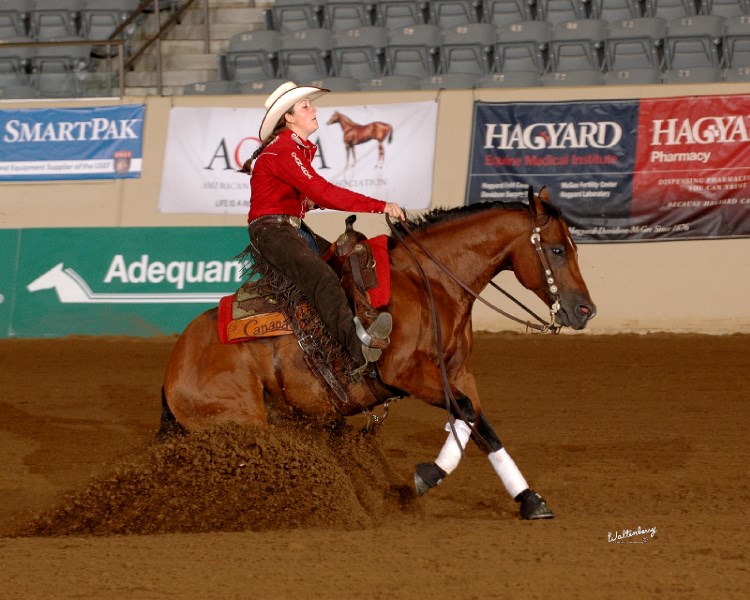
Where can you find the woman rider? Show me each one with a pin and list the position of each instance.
(283, 186)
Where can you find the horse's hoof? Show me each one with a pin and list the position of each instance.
(426, 476)
(533, 506)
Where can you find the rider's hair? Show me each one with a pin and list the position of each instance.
(280, 126)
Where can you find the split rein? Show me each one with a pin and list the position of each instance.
(450, 399)
(535, 240)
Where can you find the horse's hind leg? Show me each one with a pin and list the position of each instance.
(428, 475)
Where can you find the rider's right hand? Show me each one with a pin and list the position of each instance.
(393, 210)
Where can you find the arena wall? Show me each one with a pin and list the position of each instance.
(696, 286)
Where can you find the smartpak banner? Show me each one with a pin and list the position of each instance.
(71, 143)
(140, 281)
(676, 168)
(385, 151)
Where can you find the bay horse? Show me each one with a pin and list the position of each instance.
(208, 383)
(355, 134)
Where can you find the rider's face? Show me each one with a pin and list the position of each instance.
(302, 119)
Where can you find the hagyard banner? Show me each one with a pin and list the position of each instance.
(385, 151)
(661, 169)
(71, 143)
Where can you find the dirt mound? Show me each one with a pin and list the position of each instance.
(237, 478)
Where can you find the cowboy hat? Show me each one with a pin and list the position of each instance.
(281, 100)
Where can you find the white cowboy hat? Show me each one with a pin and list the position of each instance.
(281, 100)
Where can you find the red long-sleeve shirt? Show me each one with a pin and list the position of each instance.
(283, 177)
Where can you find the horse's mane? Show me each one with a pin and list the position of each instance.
(440, 215)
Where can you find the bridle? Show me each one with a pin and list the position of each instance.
(536, 241)
(450, 400)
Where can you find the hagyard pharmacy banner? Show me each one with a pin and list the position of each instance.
(385, 151)
(660, 169)
(71, 143)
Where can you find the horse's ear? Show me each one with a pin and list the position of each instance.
(544, 194)
(535, 201)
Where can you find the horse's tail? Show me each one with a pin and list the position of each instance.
(390, 135)
(168, 425)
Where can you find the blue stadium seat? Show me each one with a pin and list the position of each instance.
(636, 43)
(578, 45)
(400, 13)
(447, 13)
(345, 14)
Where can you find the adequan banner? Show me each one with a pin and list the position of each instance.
(141, 281)
(663, 169)
(71, 143)
(206, 146)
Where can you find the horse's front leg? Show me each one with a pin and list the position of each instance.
(429, 475)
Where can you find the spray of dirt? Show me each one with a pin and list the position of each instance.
(236, 478)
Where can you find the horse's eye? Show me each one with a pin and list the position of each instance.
(557, 251)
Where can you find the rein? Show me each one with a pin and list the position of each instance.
(535, 240)
(450, 399)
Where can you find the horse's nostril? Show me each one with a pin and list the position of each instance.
(585, 310)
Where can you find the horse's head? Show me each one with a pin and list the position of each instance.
(546, 262)
(335, 118)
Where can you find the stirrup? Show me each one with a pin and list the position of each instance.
(378, 331)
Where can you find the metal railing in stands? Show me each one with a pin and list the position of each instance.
(113, 41)
(161, 31)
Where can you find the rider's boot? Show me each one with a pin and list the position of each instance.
(357, 276)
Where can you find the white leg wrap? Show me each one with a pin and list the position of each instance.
(508, 472)
(450, 455)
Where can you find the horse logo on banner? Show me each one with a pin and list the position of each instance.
(355, 134)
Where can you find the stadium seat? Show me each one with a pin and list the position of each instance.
(400, 13)
(578, 45)
(726, 8)
(218, 87)
(636, 43)
(522, 47)
(693, 75)
(100, 18)
(389, 83)
(670, 9)
(736, 74)
(634, 76)
(573, 78)
(506, 12)
(559, 11)
(296, 15)
(359, 52)
(264, 87)
(694, 41)
(413, 50)
(736, 45)
(447, 13)
(450, 81)
(336, 84)
(15, 61)
(55, 19)
(18, 92)
(511, 79)
(616, 10)
(467, 48)
(345, 14)
(306, 54)
(14, 18)
(252, 55)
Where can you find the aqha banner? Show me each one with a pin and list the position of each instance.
(674, 168)
(71, 143)
(206, 147)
